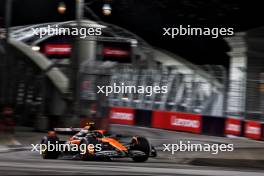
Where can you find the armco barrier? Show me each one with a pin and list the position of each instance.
(233, 126)
(253, 130)
(177, 121)
(214, 126)
(121, 115)
(143, 117)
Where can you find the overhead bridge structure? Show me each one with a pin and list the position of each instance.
(36, 85)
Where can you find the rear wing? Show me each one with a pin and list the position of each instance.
(68, 130)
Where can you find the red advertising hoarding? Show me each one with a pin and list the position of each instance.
(115, 52)
(253, 129)
(177, 121)
(120, 115)
(233, 126)
(57, 49)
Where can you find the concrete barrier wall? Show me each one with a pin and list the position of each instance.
(213, 125)
(187, 122)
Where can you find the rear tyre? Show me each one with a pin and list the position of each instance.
(143, 145)
(50, 154)
(85, 154)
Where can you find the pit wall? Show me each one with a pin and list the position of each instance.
(187, 122)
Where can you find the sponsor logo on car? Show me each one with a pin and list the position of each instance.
(107, 153)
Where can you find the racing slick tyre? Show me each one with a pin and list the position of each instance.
(87, 155)
(46, 154)
(141, 144)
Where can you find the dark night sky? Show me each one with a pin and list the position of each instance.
(147, 18)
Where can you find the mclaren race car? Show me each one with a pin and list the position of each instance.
(92, 144)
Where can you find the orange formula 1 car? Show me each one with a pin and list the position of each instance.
(91, 144)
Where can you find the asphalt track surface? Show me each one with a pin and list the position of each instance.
(25, 162)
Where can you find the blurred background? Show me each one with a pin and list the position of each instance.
(216, 83)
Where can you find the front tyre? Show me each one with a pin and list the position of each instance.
(50, 154)
(85, 154)
(141, 144)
